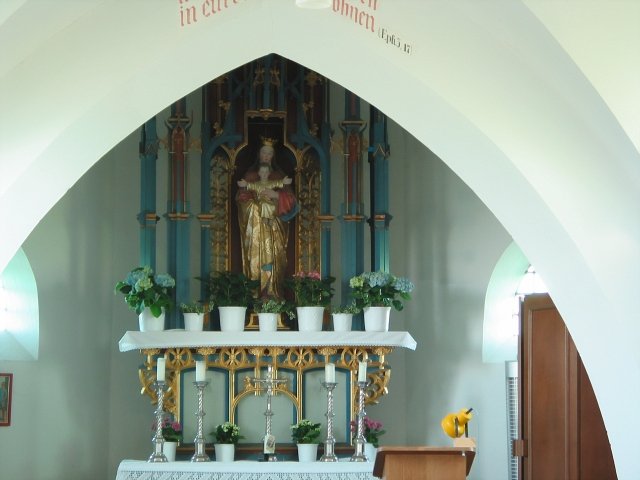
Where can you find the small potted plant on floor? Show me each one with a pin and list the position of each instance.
(226, 437)
(193, 313)
(232, 293)
(305, 434)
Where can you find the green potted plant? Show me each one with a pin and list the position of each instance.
(232, 293)
(269, 310)
(343, 316)
(375, 293)
(372, 432)
(172, 435)
(226, 437)
(148, 294)
(305, 434)
(193, 313)
(312, 294)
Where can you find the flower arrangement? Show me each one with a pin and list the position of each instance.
(195, 307)
(271, 305)
(305, 431)
(230, 289)
(372, 430)
(227, 432)
(142, 288)
(380, 289)
(310, 289)
(351, 308)
(171, 430)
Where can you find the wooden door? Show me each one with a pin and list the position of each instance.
(562, 432)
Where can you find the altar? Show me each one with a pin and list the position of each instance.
(245, 470)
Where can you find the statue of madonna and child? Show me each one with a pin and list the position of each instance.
(266, 204)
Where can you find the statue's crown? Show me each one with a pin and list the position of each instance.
(268, 142)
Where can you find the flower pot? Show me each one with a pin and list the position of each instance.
(169, 450)
(225, 452)
(149, 323)
(232, 318)
(193, 322)
(342, 322)
(268, 322)
(310, 319)
(307, 452)
(376, 319)
(370, 451)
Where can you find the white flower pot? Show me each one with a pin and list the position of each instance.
(370, 452)
(376, 319)
(310, 319)
(193, 322)
(268, 322)
(342, 322)
(225, 452)
(307, 452)
(148, 323)
(169, 450)
(232, 318)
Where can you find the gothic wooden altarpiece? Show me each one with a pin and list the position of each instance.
(275, 98)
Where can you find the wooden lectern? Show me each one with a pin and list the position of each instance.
(423, 463)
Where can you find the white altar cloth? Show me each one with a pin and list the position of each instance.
(134, 340)
(245, 470)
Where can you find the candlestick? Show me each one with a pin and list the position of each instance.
(358, 454)
(362, 372)
(158, 440)
(330, 373)
(160, 369)
(200, 455)
(269, 440)
(200, 371)
(329, 444)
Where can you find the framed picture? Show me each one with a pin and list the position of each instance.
(6, 387)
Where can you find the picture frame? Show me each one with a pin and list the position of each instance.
(6, 390)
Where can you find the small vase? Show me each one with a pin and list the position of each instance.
(370, 451)
(307, 452)
(310, 319)
(225, 452)
(268, 322)
(232, 318)
(148, 323)
(376, 319)
(193, 322)
(342, 322)
(169, 450)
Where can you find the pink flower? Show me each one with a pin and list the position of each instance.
(314, 275)
(176, 426)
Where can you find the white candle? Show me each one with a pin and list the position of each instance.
(330, 373)
(160, 366)
(362, 372)
(200, 371)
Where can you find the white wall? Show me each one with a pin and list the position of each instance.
(61, 401)
(447, 242)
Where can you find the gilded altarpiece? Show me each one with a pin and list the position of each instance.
(280, 100)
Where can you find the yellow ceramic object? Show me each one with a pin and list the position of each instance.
(454, 424)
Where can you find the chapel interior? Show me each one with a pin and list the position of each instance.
(459, 176)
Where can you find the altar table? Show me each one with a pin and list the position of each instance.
(245, 470)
